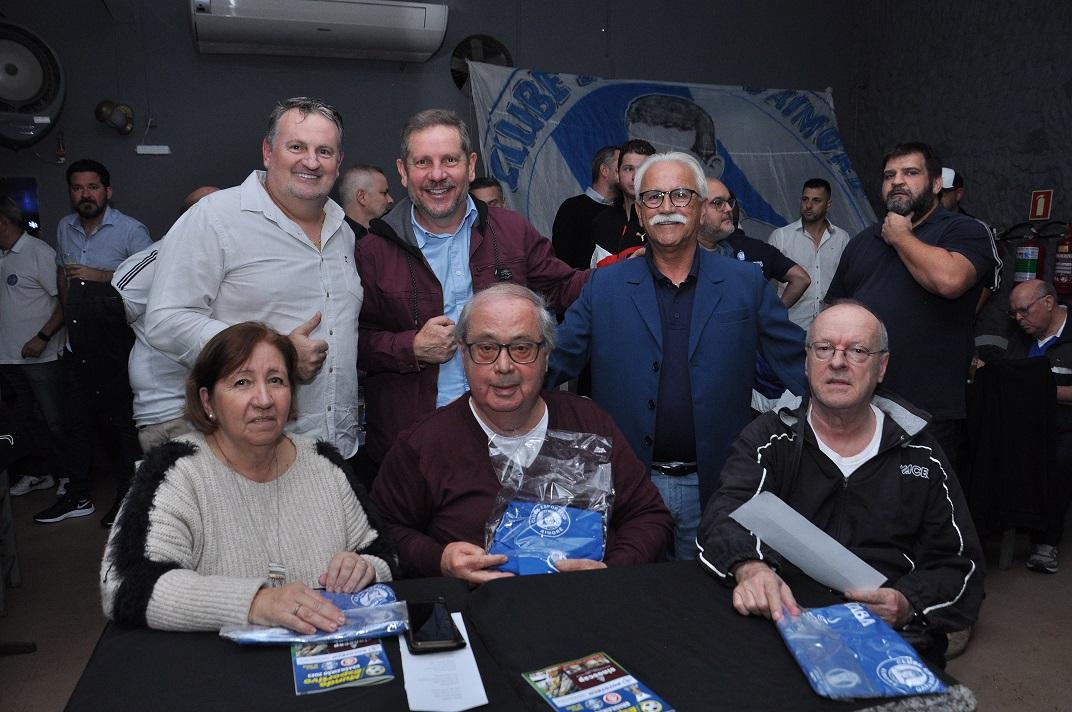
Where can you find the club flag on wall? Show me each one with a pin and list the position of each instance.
(538, 132)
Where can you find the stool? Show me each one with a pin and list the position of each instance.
(9, 555)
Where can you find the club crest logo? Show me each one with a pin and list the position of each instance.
(549, 520)
(12, 280)
(907, 673)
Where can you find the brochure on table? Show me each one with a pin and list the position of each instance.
(594, 682)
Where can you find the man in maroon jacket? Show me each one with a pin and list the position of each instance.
(421, 264)
(437, 485)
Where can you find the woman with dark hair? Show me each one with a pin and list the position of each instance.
(239, 522)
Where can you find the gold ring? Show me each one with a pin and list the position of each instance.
(296, 609)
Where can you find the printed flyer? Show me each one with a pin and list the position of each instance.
(319, 667)
(594, 682)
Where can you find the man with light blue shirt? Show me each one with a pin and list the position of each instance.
(274, 249)
(420, 265)
(90, 243)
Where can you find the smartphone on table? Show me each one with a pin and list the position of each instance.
(431, 629)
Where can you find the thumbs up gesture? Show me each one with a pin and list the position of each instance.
(311, 352)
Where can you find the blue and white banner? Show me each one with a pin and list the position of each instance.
(538, 132)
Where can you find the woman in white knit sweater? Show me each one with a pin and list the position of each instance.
(238, 522)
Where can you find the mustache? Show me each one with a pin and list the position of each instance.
(668, 219)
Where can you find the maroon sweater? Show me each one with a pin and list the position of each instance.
(437, 486)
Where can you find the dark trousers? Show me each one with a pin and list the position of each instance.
(101, 343)
(62, 441)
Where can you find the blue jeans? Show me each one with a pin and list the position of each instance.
(682, 497)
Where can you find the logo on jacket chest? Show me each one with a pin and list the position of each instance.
(915, 471)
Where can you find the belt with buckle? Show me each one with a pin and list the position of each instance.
(674, 469)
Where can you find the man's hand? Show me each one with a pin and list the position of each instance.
(311, 352)
(347, 572)
(566, 565)
(435, 343)
(297, 607)
(468, 562)
(895, 228)
(761, 592)
(34, 347)
(87, 274)
(889, 604)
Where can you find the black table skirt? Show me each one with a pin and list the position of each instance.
(671, 625)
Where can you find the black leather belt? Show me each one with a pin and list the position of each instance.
(674, 469)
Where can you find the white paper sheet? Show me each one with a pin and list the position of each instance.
(443, 682)
(811, 549)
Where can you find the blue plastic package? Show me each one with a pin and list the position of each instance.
(555, 506)
(847, 652)
(535, 535)
(373, 612)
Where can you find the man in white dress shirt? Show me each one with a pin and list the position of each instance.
(814, 244)
(274, 249)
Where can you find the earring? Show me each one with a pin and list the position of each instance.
(211, 416)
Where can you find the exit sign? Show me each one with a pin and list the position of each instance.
(1041, 202)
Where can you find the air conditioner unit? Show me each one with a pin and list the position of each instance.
(361, 29)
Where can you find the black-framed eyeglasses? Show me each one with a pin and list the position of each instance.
(723, 203)
(486, 352)
(1023, 311)
(679, 197)
(857, 354)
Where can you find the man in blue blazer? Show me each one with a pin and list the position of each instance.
(672, 337)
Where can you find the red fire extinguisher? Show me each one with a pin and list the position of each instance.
(1062, 263)
(1030, 259)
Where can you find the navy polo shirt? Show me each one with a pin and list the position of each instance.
(675, 431)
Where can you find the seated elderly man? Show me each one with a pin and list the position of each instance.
(861, 466)
(437, 484)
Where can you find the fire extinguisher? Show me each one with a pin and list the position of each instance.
(1062, 263)
(1030, 259)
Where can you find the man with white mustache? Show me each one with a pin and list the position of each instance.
(921, 270)
(421, 264)
(672, 337)
(274, 249)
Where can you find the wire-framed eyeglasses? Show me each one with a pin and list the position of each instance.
(824, 351)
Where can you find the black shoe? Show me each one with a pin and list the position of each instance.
(109, 519)
(65, 508)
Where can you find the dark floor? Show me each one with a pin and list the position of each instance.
(1020, 658)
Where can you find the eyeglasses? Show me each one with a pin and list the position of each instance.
(824, 351)
(679, 197)
(521, 352)
(721, 204)
(1023, 311)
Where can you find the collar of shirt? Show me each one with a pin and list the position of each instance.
(1052, 337)
(597, 196)
(255, 197)
(19, 244)
(423, 236)
(74, 221)
(660, 278)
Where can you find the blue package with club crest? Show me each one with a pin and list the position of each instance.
(847, 652)
(554, 504)
(372, 612)
(535, 535)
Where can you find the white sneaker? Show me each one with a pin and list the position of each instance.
(29, 483)
(62, 489)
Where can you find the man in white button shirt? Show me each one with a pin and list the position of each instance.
(274, 249)
(814, 244)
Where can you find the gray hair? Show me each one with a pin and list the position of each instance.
(513, 291)
(434, 117)
(357, 176)
(11, 211)
(686, 159)
(305, 106)
(883, 335)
